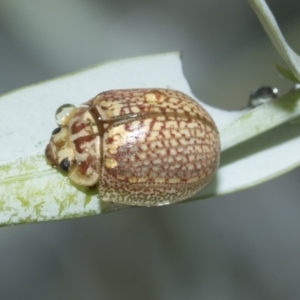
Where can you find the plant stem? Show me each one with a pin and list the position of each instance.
(271, 27)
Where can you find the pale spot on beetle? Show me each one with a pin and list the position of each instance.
(146, 162)
(192, 158)
(144, 147)
(184, 142)
(111, 163)
(154, 97)
(174, 143)
(187, 108)
(181, 149)
(135, 109)
(80, 134)
(190, 166)
(150, 98)
(105, 104)
(147, 122)
(182, 124)
(200, 134)
(142, 155)
(193, 179)
(157, 161)
(114, 110)
(157, 126)
(192, 125)
(199, 149)
(174, 180)
(161, 118)
(166, 143)
(135, 125)
(173, 152)
(155, 168)
(160, 180)
(142, 179)
(174, 100)
(126, 110)
(132, 179)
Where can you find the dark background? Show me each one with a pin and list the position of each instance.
(240, 246)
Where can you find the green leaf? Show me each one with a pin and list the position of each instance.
(286, 73)
(31, 191)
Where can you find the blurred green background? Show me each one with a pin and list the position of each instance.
(240, 246)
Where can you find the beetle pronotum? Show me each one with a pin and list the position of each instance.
(141, 146)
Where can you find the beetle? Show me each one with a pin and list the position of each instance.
(144, 147)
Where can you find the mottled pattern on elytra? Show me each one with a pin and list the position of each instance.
(142, 146)
(159, 146)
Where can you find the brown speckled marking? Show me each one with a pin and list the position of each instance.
(146, 146)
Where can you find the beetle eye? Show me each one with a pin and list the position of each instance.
(56, 130)
(65, 164)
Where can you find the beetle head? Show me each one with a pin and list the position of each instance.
(59, 152)
(74, 147)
